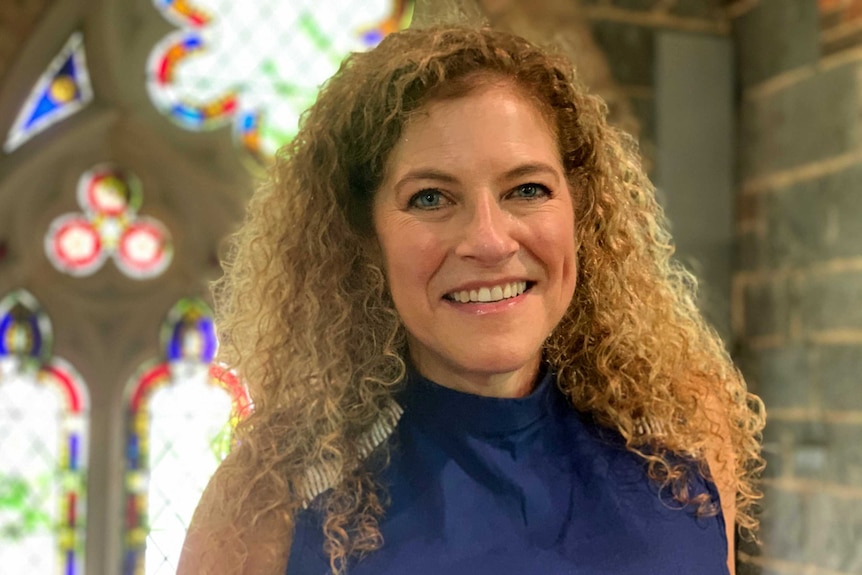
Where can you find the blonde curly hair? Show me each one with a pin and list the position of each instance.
(305, 316)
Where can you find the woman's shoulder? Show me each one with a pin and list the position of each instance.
(218, 545)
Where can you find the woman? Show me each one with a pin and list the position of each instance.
(468, 348)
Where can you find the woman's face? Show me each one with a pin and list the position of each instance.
(476, 227)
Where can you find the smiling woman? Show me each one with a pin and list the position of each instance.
(468, 347)
(475, 203)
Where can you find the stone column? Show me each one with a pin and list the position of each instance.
(797, 302)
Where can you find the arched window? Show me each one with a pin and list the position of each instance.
(181, 412)
(43, 447)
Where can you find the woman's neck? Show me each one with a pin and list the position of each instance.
(515, 383)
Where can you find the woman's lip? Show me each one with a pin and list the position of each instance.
(492, 292)
(488, 284)
(482, 308)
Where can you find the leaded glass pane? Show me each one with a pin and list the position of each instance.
(258, 65)
(189, 434)
(181, 414)
(30, 427)
(43, 409)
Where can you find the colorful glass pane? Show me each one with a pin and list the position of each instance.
(258, 65)
(180, 416)
(79, 243)
(43, 411)
(63, 89)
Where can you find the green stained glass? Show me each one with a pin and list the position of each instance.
(43, 424)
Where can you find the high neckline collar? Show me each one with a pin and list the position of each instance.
(450, 410)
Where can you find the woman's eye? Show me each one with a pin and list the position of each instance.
(531, 191)
(427, 200)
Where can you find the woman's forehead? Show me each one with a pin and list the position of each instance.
(491, 129)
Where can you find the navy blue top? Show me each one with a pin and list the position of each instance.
(494, 486)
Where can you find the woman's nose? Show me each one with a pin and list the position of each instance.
(486, 235)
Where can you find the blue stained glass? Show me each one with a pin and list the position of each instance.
(133, 451)
(207, 330)
(73, 452)
(45, 106)
(188, 115)
(129, 562)
(175, 347)
(193, 42)
(63, 89)
(192, 325)
(6, 335)
(48, 103)
(15, 319)
(247, 121)
(372, 37)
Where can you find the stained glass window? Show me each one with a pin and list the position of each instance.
(63, 89)
(181, 411)
(258, 65)
(78, 243)
(43, 447)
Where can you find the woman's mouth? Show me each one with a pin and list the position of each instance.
(489, 294)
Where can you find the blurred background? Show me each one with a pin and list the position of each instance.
(134, 131)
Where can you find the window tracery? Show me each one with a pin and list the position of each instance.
(78, 243)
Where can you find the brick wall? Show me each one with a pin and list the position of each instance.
(797, 300)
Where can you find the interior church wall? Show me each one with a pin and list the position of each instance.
(798, 280)
(781, 270)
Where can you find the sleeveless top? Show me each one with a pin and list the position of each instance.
(490, 486)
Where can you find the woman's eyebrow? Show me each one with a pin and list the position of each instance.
(426, 174)
(530, 169)
(527, 169)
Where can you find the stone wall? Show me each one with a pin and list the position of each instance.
(797, 302)
(626, 30)
(612, 42)
(840, 24)
(797, 296)
(18, 19)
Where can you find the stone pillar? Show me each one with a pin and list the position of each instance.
(17, 21)
(671, 68)
(797, 302)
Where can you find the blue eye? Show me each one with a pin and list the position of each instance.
(531, 191)
(427, 200)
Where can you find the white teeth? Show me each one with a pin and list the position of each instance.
(490, 294)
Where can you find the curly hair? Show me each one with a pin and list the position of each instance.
(305, 316)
